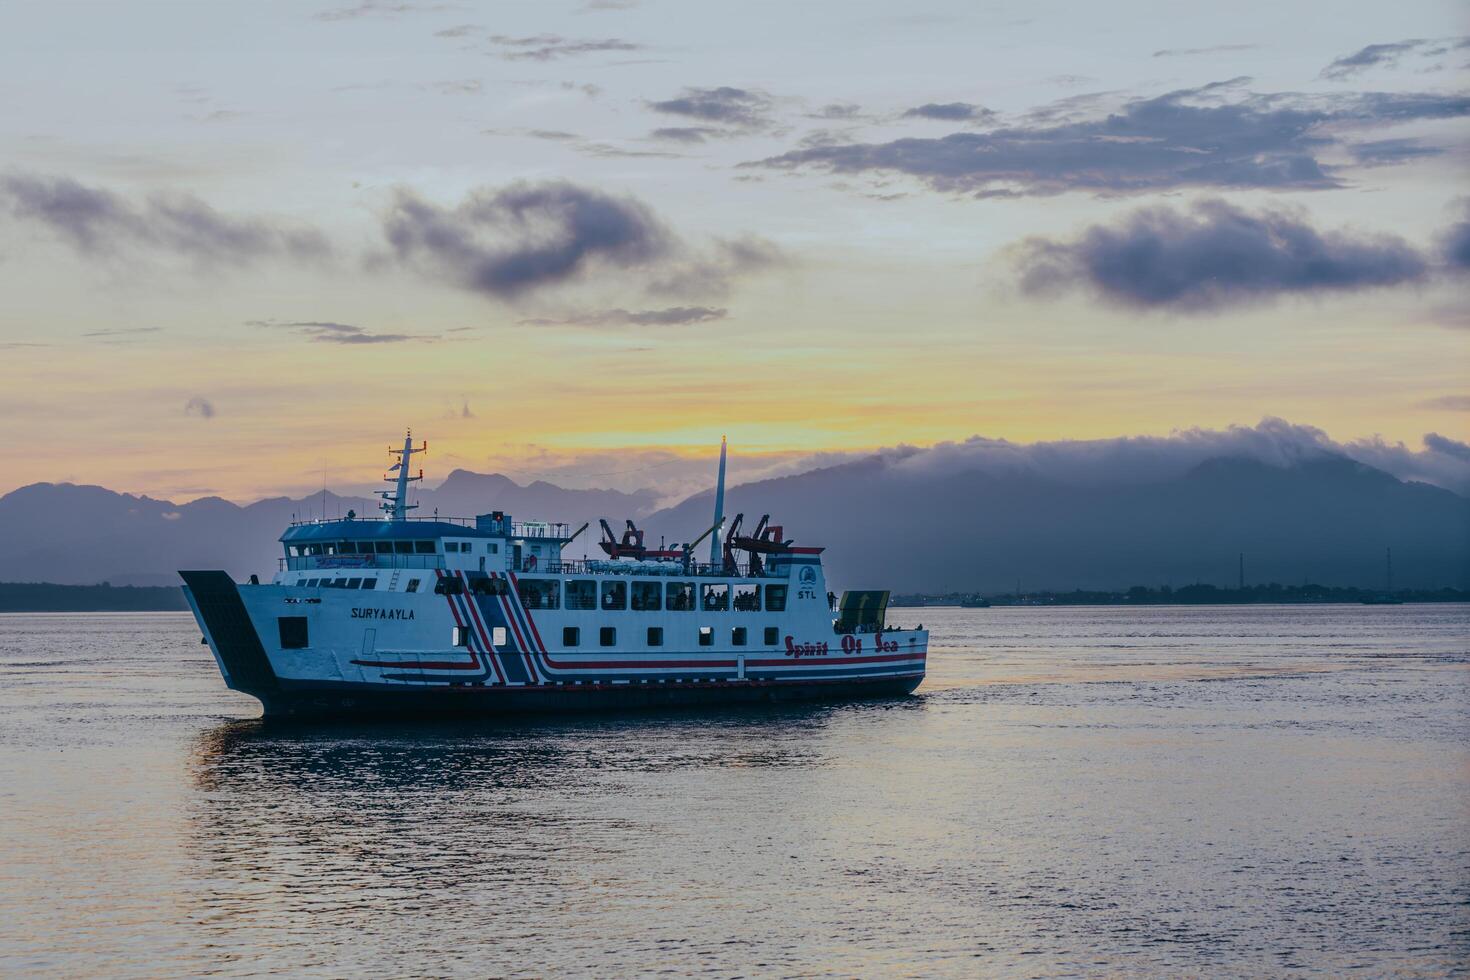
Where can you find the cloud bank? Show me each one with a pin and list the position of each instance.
(1213, 256)
(1127, 460)
(737, 110)
(1214, 136)
(99, 223)
(1391, 54)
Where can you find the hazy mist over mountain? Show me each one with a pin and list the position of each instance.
(981, 514)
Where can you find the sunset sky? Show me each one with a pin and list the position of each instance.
(241, 244)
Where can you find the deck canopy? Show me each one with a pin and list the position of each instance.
(360, 530)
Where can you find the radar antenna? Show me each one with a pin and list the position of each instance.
(395, 501)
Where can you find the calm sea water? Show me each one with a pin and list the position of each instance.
(1074, 791)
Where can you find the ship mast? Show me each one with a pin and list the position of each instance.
(395, 501)
(714, 543)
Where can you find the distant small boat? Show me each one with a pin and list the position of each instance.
(1382, 600)
(975, 602)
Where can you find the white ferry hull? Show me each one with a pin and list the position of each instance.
(386, 654)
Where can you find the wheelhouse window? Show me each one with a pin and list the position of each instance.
(540, 593)
(403, 547)
(737, 636)
(571, 636)
(714, 597)
(647, 596)
(369, 583)
(679, 596)
(607, 636)
(775, 598)
(614, 595)
(450, 547)
(773, 636)
(706, 636)
(581, 594)
(354, 583)
(413, 585)
(383, 547)
(747, 598)
(365, 547)
(655, 636)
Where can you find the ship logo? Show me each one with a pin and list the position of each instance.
(369, 612)
(808, 575)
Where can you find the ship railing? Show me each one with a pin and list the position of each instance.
(518, 529)
(302, 563)
(608, 566)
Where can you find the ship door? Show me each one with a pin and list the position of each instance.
(515, 559)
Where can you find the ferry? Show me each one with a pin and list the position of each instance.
(399, 614)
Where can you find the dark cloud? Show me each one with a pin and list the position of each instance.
(738, 109)
(202, 407)
(1212, 136)
(950, 112)
(327, 332)
(683, 134)
(1212, 49)
(669, 316)
(100, 223)
(1212, 257)
(508, 242)
(1454, 241)
(550, 47)
(551, 134)
(1444, 445)
(382, 8)
(1390, 54)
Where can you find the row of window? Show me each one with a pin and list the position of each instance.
(571, 636)
(344, 583)
(619, 594)
(422, 546)
(293, 635)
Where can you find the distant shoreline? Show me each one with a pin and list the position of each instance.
(51, 597)
(1189, 595)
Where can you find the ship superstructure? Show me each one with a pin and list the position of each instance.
(487, 615)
